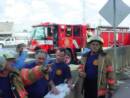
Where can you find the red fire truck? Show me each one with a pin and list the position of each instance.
(49, 36)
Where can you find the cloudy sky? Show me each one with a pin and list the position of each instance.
(25, 13)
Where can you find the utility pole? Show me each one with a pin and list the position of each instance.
(83, 4)
(84, 11)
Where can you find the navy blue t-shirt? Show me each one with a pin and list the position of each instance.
(60, 72)
(39, 88)
(90, 68)
(5, 87)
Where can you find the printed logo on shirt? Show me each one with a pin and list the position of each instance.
(58, 72)
(95, 62)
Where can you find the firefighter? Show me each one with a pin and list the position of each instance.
(98, 73)
(12, 81)
(40, 88)
(48, 58)
(86, 49)
(60, 72)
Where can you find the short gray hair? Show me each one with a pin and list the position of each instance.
(41, 54)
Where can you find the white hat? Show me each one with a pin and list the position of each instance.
(5, 56)
(95, 38)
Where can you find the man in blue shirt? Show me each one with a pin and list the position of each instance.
(60, 71)
(22, 55)
(40, 88)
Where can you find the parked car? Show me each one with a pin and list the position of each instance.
(11, 41)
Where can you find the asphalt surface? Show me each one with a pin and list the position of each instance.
(123, 90)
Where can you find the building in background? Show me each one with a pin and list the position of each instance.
(6, 29)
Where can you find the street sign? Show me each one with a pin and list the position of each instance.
(114, 11)
(121, 11)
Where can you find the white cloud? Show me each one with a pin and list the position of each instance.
(16, 11)
(127, 2)
(59, 11)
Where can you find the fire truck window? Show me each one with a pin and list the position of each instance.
(39, 33)
(49, 31)
(55, 34)
(77, 31)
(69, 32)
(62, 30)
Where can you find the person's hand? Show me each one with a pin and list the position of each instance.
(45, 68)
(71, 86)
(110, 93)
(55, 91)
(25, 49)
(80, 68)
(49, 67)
(82, 74)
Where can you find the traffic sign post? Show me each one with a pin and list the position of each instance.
(114, 28)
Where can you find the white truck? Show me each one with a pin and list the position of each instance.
(11, 41)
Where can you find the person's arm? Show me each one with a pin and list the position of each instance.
(53, 90)
(111, 80)
(29, 76)
(68, 77)
(20, 61)
(81, 67)
(30, 64)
